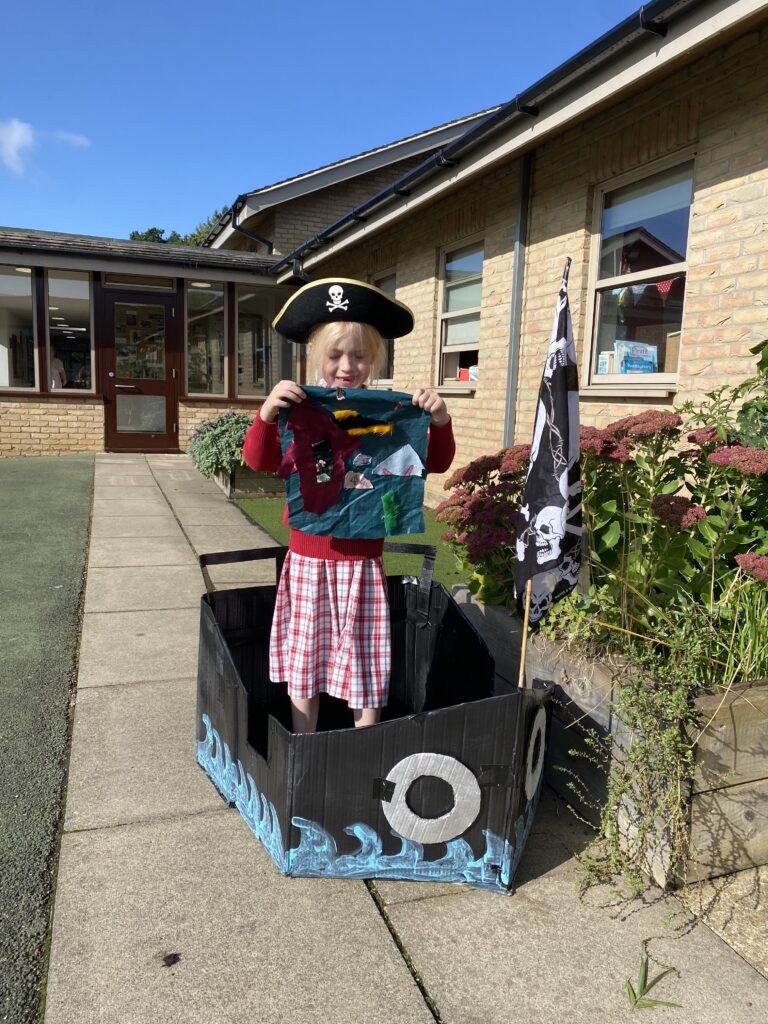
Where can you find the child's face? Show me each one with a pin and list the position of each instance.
(346, 362)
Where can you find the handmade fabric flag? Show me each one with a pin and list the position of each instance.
(354, 462)
(549, 522)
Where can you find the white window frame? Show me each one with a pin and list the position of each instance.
(205, 394)
(473, 242)
(385, 383)
(91, 321)
(620, 384)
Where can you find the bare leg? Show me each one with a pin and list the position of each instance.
(304, 713)
(366, 716)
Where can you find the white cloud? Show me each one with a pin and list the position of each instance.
(15, 138)
(73, 139)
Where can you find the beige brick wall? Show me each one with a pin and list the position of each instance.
(719, 106)
(192, 414)
(30, 426)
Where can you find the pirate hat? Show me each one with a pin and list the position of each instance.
(338, 299)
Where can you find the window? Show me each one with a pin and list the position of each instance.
(17, 348)
(460, 316)
(263, 358)
(70, 349)
(388, 284)
(139, 282)
(206, 338)
(640, 265)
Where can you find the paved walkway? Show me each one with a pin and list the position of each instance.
(167, 910)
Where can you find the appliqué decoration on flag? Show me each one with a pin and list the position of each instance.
(549, 524)
(354, 462)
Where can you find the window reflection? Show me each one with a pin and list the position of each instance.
(205, 338)
(70, 362)
(17, 350)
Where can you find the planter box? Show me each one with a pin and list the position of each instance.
(243, 482)
(728, 803)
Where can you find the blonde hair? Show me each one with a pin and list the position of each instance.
(323, 336)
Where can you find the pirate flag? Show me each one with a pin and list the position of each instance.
(549, 521)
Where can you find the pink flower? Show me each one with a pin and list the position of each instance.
(474, 472)
(703, 436)
(447, 536)
(515, 459)
(678, 510)
(750, 461)
(486, 539)
(645, 424)
(756, 565)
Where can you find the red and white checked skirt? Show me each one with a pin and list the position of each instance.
(330, 632)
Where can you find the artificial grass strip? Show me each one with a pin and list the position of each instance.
(267, 512)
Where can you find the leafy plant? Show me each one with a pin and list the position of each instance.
(638, 996)
(216, 446)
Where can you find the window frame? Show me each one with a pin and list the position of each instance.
(203, 395)
(47, 271)
(35, 389)
(443, 316)
(385, 383)
(646, 385)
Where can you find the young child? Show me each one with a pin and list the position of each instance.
(330, 631)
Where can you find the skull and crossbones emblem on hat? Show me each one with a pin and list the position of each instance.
(336, 293)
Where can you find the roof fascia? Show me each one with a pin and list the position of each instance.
(691, 32)
(273, 195)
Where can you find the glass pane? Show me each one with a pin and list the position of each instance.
(463, 330)
(638, 327)
(463, 296)
(463, 263)
(139, 342)
(645, 225)
(140, 414)
(389, 285)
(69, 330)
(254, 314)
(206, 344)
(17, 348)
(461, 366)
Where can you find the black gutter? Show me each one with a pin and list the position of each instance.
(651, 18)
(236, 207)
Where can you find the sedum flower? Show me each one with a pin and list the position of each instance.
(754, 564)
(645, 424)
(750, 461)
(678, 510)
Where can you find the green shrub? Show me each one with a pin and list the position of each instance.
(216, 446)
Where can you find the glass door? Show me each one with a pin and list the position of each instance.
(142, 372)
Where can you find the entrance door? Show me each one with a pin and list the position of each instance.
(141, 372)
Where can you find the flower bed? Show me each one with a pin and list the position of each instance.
(675, 526)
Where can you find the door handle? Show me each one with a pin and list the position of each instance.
(133, 386)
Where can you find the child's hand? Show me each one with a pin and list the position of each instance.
(283, 394)
(431, 402)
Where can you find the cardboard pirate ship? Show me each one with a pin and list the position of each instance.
(444, 788)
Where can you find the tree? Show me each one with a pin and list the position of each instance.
(196, 237)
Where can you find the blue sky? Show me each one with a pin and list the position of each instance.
(117, 117)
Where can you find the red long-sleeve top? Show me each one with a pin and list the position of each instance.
(261, 452)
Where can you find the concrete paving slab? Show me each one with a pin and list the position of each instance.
(131, 507)
(251, 945)
(132, 647)
(143, 588)
(163, 525)
(185, 500)
(105, 476)
(133, 488)
(212, 515)
(544, 955)
(120, 459)
(149, 551)
(133, 756)
(734, 907)
(245, 573)
(227, 537)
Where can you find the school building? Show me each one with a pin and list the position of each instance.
(644, 158)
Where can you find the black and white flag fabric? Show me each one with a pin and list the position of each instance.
(549, 522)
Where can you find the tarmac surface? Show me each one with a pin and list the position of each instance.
(45, 506)
(167, 909)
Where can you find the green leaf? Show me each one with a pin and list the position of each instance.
(611, 536)
(643, 1003)
(609, 506)
(706, 531)
(631, 994)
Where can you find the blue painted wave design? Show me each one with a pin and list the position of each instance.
(237, 786)
(317, 854)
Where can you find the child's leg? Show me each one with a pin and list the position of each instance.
(304, 711)
(366, 716)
